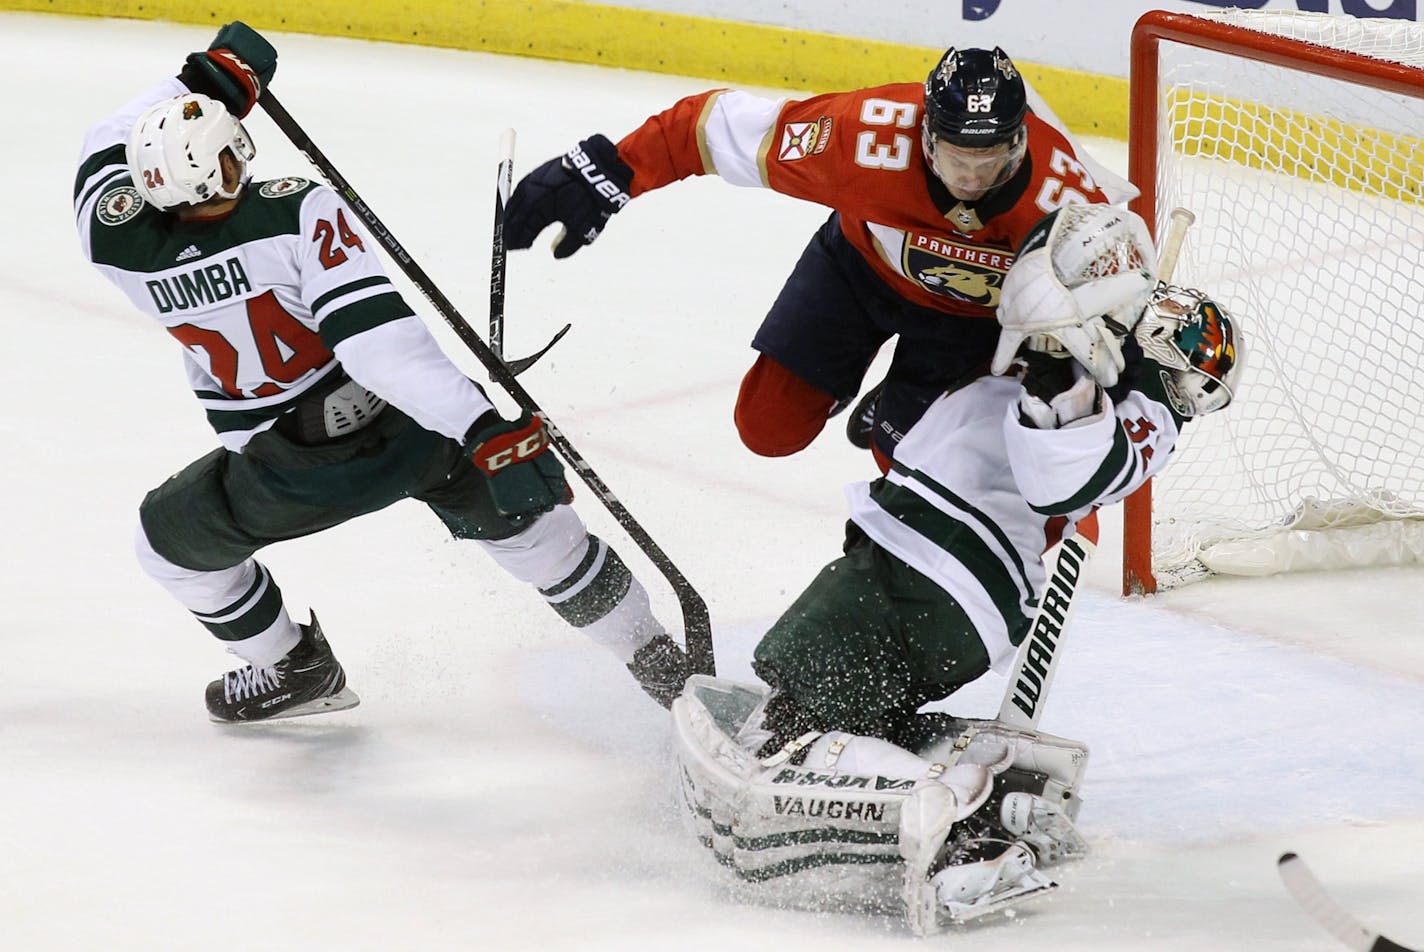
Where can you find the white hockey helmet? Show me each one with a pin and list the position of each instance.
(1200, 345)
(174, 148)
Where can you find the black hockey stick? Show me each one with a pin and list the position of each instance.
(697, 626)
(1306, 890)
(498, 260)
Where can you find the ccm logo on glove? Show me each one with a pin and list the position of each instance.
(600, 183)
(509, 449)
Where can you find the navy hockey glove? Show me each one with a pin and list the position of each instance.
(582, 189)
(234, 69)
(524, 477)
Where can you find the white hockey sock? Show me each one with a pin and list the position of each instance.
(582, 579)
(241, 606)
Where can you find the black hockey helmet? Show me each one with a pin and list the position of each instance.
(975, 98)
(973, 130)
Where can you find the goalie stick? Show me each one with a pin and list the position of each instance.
(1038, 655)
(504, 178)
(1306, 890)
(697, 628)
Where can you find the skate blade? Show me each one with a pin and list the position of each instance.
(339, 701)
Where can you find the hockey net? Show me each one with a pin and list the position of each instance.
(1298, 141)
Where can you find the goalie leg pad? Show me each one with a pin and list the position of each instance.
(765, 823)
(862, 838)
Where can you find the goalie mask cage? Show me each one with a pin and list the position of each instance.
(1298, 141)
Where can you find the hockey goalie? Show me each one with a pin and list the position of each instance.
(828, 783)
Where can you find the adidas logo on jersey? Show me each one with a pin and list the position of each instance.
(188, 253)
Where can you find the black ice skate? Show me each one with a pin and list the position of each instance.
(662, 668)
(861, 422)
(309, 680)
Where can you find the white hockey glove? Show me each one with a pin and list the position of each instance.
(1080, 404)
(1079, 285)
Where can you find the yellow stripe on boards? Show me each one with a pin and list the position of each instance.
(1311, 148)
(723, 51)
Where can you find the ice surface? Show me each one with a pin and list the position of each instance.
(504, 785)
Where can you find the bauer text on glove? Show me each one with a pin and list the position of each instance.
(581, 189)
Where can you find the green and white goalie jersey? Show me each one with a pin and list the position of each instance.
(975, 497)
(264, 298)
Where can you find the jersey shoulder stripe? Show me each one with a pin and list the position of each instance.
(934, 487)
(128, 234)
(96, 170)
(956, 537)
(1116, 471)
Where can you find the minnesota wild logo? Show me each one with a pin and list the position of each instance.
(191, 110)
(282, 186)
(118, 205)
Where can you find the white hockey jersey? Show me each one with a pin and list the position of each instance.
(283, 293)
(974, 497)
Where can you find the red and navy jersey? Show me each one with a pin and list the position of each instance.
(860, 153)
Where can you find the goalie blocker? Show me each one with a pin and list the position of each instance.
(813, 823)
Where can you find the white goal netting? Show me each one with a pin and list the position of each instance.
(1309, 197)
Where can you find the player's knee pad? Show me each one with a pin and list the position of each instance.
(778, 413)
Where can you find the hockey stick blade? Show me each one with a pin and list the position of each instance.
(499, 262)
(518, 367)
(1301, 883)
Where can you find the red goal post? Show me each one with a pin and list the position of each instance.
(1149, 139)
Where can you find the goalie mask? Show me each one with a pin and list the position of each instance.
(973, 132)
(1199, 344)
(174, 151)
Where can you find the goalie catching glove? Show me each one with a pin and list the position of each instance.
(582, 189)
(1077, 288)
(524, 477)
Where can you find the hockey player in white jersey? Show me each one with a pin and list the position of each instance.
(834, 768)
(328, 394)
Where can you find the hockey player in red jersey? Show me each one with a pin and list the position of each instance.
(933, 186)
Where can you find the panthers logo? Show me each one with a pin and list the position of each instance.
(977, 286)
(956, 268)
